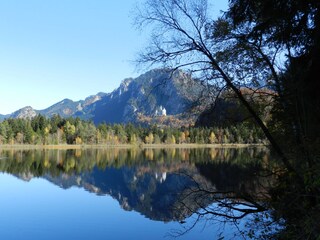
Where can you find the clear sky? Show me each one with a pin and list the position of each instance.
(56, 49)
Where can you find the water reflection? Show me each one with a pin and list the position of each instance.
(158, 183)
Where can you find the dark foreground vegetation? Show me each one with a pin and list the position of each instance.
(269, 44)
(56, 130)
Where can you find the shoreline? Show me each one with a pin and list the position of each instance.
(128, 146)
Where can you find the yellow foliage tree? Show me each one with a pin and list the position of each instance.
(149, 139)
(212, 138)
(182, 138)
(78, 140)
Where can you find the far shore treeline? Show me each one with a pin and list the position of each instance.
(56, 130)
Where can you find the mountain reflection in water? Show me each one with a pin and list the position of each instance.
(148, 181)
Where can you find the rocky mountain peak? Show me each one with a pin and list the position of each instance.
(26, 112)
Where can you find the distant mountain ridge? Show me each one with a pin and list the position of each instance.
(2, 117)
(156, 93)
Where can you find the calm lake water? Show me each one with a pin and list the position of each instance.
(121, 193)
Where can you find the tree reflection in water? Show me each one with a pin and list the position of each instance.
(211, 185)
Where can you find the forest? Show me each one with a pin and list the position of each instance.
(56, 130)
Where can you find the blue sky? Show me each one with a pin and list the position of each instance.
(56, 49)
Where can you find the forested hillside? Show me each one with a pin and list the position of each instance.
(56, 130)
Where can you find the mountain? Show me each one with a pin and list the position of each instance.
(26, 112)
(69, 108)
(156, 94)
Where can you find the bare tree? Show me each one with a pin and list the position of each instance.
(185, 36)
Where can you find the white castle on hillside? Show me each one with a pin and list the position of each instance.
(160, 111)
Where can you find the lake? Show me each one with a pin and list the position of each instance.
(124, 193)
